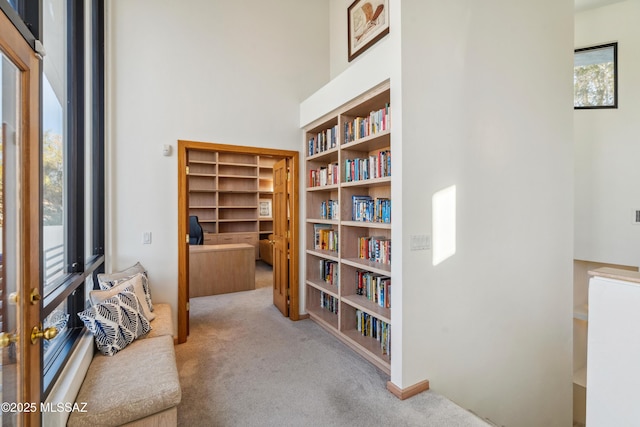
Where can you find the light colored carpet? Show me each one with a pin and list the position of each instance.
(244, 364)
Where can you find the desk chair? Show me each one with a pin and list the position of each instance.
(196, 235)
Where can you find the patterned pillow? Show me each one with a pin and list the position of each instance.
(137, 281)
(116, 322)
(107, 281)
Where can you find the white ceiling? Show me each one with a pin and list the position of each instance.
(581, 5)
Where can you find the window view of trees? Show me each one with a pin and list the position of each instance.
(53, 178)
(594, 77)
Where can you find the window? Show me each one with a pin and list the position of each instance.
(595, 77)
(72, 169)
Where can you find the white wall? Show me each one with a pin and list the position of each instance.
(231, 72)
(607, 145)
(487, 107)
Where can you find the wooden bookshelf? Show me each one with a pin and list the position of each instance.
(329, 141)
(225, 191)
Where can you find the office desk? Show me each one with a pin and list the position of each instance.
(220, 269)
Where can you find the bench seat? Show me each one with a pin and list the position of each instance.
(138, 386)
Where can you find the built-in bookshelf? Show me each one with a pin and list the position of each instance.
(226, 191)
(348, 224)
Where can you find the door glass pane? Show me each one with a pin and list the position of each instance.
(54, 89)
(9, 229)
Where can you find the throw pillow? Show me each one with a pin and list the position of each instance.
(116, 322)
(137, 282)
(107, 281)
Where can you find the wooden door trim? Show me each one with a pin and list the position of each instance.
(183, 229)
(20, 53)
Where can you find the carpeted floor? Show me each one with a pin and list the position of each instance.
(244, 364)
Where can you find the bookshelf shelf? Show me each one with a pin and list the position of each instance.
(324, 317)
(355, 139)
(328, 155)
(322, 221)
(373, 182)
(374, 267)
(331, 290)
(365, 224)
(224, 191)
(362, 303)
(333, 256)
(323, 187)
(370, 143)
(370, 348)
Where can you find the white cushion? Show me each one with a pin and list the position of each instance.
(107, 281)
(116, 322)
(137, 282)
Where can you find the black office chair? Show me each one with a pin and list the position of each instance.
(196, 235)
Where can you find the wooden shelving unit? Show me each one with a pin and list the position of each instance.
(225, 191)
(329, 149)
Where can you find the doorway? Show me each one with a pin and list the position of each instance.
(220, 219)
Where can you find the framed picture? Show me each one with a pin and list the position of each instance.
(595, 77)
(264, 208)
(368, 22)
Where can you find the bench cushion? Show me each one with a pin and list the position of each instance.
(162, 324)
(139, 381)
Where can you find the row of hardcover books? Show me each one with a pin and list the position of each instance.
(324, 176)
(375, 248)
(375, 287)
(370, 326)
(328, 302)
(325, 238)
(329, 272)
(361, 127)
(375, 166)
(323, 141)
(366, 209)
(329, 209)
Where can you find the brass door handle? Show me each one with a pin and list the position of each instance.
(273, 242)
(7, 338)
(47, 334)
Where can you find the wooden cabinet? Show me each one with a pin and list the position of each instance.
(219, 269)
(348, 224)
(226, 191)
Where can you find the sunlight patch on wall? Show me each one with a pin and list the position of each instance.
(444, 224)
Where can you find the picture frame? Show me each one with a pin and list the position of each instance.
(367, 22)
(264, 208)
(595, 77)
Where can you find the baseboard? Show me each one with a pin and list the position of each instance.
(408, 392)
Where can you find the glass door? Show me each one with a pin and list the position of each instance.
(10, 232)
(20, 337)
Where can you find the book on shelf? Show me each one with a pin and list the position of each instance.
(325, 237)
(329, 272)
(361, 127)
(375, 248)
(365, 209)
(329, 209)
(375, 287)
(375, 166)
(323, 141)
(324, 175)
(328, 302)
(370, 326)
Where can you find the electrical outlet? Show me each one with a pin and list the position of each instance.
(420, 242)
(146, 238)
